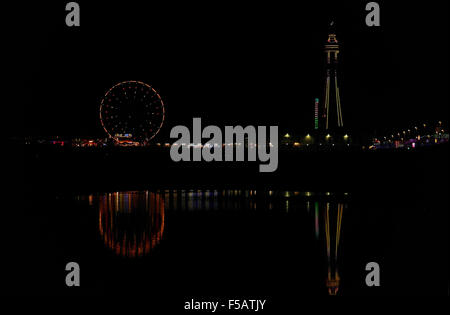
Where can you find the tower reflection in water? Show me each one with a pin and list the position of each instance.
(333, 222)
(131, 223)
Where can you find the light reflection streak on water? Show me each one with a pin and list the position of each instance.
(131, 223)
(209, 199)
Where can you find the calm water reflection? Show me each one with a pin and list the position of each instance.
(131, 223)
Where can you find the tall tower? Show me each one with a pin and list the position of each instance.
(332, 104)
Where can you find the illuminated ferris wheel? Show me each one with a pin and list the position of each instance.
(132, 112)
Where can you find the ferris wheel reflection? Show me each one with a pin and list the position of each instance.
(131, 223)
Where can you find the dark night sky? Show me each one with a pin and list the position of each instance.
(229, 63)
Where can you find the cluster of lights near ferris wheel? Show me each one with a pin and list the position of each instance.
(132, 112)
